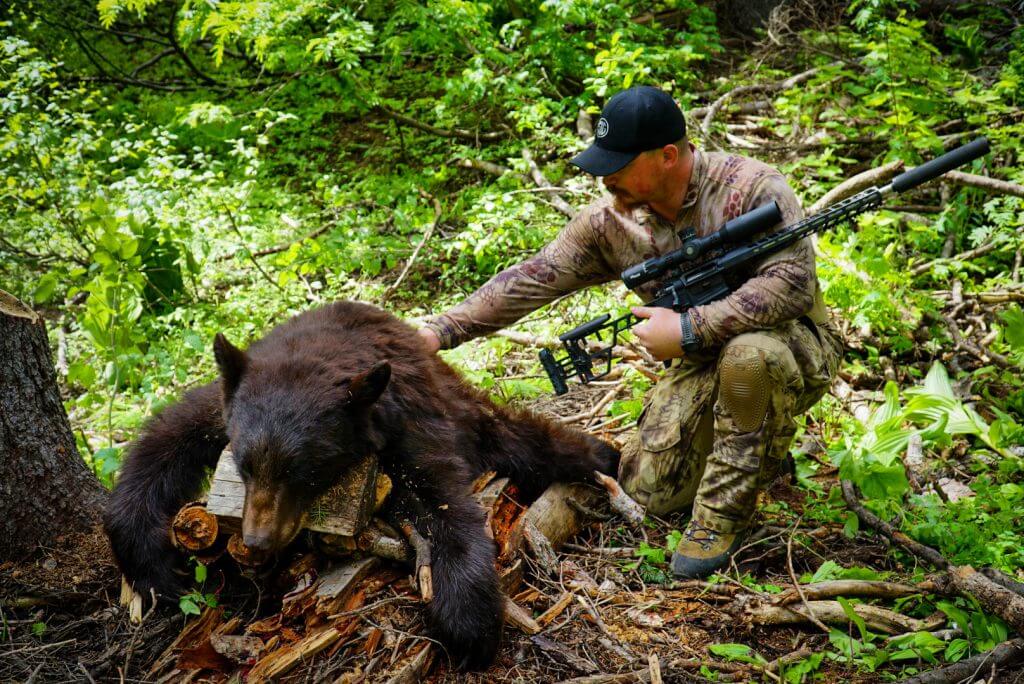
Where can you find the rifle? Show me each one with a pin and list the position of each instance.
(721, 257)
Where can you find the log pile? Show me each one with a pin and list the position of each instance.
(353, 594)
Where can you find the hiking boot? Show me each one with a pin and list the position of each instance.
(702, 551)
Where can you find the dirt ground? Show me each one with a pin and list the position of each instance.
(62, 621)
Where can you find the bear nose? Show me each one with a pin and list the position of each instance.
(258, 540)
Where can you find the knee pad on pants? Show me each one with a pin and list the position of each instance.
(747, 383)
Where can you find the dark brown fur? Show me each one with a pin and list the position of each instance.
(304, 403)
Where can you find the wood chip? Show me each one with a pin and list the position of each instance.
(556, 609)
(520, 618)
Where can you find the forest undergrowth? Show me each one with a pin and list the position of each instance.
(173, 171)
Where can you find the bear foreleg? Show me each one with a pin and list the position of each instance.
(163, 470)
(465, 614)
(535, 453)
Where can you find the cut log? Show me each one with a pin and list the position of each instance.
(194, 528)
(344, 510)
(553, 516)
(337, 585)
(831, 612)
(243, 555)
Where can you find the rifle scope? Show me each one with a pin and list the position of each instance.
(737, 230)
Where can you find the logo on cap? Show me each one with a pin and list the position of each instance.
(602, 127)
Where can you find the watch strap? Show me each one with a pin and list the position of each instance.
(689, 341)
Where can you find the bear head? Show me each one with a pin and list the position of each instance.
(295, 425)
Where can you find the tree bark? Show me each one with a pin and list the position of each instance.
(45, 488)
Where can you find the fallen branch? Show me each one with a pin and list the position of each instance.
(287, 245)
(796, 582)
(1005, 654)
(986, 183)
(491, 168)
(852, 186)
(831, 612)
(542, 182)
(984, 355)
(747, 89)
(962, 579)
(621, 503)
(443, 132)
(426, 236)
(865, 588)
(963, 256)
(519, 617)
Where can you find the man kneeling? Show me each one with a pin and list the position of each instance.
(719, 423)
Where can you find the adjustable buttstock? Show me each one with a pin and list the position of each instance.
(556, 374)
(587, 328)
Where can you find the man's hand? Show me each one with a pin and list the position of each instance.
(660, 335)
(429, 339)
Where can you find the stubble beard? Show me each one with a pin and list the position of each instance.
(623, 202)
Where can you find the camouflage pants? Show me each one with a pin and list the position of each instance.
(715, 430)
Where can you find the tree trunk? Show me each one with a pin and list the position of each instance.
(45, 488)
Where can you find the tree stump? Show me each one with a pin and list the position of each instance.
(46, 490)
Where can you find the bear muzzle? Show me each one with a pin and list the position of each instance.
(270, 519)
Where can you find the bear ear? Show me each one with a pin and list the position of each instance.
(366, 387)
(231, 361)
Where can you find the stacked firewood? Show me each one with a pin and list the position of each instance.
(355, 589)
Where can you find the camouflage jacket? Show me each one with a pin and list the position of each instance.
(601, 241)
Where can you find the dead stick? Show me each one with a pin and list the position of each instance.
(964, 579)
(621, 502)
(542, 182)
(442, 132)
(852, 186)
(1003, 655)
(796, 582)
(424, 576)
(986, 183)
(983, 354)
(866, 588)
(426, 237)
(981, 250)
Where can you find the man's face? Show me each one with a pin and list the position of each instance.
(637, 182)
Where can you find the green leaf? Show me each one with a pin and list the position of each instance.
(45, 287)
(737, 652)
(956, 650)
(854, 618)
(188, 606)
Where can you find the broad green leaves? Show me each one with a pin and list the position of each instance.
(874, 460)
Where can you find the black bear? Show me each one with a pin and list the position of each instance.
(311, 398)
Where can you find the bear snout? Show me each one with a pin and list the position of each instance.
(269, 519)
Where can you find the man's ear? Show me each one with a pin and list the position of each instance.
(670, 154)
(366, 387)
(232, 363)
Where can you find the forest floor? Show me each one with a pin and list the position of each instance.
(607, 609)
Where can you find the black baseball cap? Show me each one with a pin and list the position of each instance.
(636, 120)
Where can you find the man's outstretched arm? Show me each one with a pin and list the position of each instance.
(571, 261)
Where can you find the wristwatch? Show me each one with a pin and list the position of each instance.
(689, 342)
